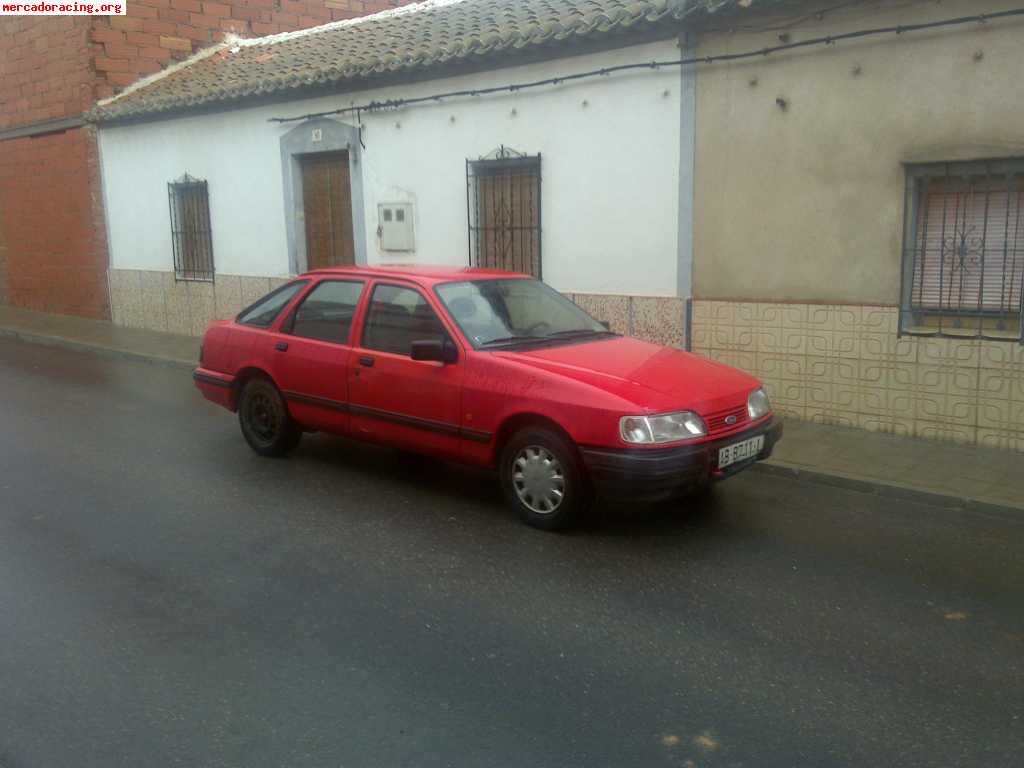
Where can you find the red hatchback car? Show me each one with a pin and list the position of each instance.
(489, 368)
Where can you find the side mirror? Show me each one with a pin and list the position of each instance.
(436, 351)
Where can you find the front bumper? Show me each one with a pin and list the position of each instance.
(658, 473)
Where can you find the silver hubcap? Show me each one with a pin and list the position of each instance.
(538, 479)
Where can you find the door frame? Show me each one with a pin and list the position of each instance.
(316, 136)
(417, 424)
(328, 413)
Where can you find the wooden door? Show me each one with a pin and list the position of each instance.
(327, 204)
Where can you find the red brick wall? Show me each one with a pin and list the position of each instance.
(44, 68)
(3, 265)
(51, 219)
(53, 254)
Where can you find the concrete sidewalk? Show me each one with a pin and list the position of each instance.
(944, 474)
(99, 336)
(953, 476)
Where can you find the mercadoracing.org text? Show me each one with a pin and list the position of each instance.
(62, 9)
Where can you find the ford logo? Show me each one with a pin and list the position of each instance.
(731, 419)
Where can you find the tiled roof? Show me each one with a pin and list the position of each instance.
(404, 41)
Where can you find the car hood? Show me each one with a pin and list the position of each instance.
(653, 377)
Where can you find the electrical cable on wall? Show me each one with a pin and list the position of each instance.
(391, 104)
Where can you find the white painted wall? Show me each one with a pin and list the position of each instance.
(610, 173)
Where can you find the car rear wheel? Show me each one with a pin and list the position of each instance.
(542, 480)
(266, 424)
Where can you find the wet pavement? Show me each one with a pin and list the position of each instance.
(169, 598)
(930, 471)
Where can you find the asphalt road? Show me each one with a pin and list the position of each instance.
(167, 598)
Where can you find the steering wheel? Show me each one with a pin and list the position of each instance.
(542, 325)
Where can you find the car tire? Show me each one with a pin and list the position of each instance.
(267, 426)
(542, 478)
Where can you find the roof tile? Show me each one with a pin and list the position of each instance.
(411, 39)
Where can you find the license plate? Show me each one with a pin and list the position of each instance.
(740, 451)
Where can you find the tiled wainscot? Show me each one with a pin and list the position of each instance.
(156, 301)
(660, 319)
(846, 365)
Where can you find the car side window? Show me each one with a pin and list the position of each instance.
(397, 317)
(326, 313)
(264, 312)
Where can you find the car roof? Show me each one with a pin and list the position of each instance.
(423, 274)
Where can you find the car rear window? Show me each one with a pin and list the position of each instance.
(264, 312)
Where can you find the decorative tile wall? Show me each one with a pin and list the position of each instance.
(156, 301)
(660, 319)
(845, 365)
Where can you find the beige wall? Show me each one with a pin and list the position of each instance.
(799, 215)
(806, 203)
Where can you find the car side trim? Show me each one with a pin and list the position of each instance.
(206, 378)
(323, 402)
(476, 435)
(430, 425)
(442, 427)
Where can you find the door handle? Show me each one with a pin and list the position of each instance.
(281, 346)
(366, 360)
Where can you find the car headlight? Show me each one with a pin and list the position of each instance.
(664, 428)
(758, 405)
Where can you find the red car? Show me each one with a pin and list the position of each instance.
(489, 368)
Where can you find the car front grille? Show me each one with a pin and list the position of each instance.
(717, 423)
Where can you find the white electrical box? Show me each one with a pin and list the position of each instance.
(395, 227)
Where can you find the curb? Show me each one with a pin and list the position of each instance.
(886, 490)
(98, 349)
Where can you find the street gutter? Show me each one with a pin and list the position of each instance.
(95, 348)
(897, 491)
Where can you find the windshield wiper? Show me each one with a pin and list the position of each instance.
(577, 332)
(510, 340)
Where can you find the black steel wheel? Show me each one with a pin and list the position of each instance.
(542, 478)
(263, 416)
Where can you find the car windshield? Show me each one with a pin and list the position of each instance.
(495, 313)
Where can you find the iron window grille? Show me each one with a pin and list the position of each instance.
(963, 250)
(503, 198)
(190, 229)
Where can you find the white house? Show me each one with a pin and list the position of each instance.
(768, 211)
(260, 159)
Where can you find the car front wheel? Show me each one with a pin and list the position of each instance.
(542, 479)
(266, 424)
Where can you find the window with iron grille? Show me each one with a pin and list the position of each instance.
(190, 229)
(963, 266)
(504, 201)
